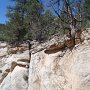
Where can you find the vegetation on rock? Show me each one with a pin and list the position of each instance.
(29, 19)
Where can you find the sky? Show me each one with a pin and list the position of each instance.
(3, 9)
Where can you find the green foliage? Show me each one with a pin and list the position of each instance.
(87, 24)
(4, 33)
(87, 9)
(29, 20)
(24, 19)
(16, 23)
(86, 13)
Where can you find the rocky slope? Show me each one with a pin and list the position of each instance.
(52, 66)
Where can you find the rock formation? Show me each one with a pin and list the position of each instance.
(53, 66)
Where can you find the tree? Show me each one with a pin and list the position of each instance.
(47, 24)
(16, 15)
(33, 17)
(86, 12)
(71, 11)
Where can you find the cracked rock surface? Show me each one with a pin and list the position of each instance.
(62, 70)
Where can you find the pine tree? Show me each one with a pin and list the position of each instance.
(33, 17)
(16, 15)
(86, 13)
(25, 19)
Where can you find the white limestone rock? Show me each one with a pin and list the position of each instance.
(17, 80)
(63, 70)
(51, 72)
(3, 52)
(3, 44)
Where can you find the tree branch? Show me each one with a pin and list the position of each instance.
(59, 15)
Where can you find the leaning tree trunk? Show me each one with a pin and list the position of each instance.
(73, 32)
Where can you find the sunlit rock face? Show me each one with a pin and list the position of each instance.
(17, 80)
(50, 67)
(3, 49)
(14, 72)
(61, 71)
(3, 44)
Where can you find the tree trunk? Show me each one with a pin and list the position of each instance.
(73, 32)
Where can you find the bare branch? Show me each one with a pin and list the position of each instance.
(59, 15)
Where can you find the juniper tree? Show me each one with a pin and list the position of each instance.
(71, 11)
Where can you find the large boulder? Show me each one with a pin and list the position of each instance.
(3, 44)
(3, 52)
(53, 66)
(14, 72)
(67, 71)
(17, 80)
